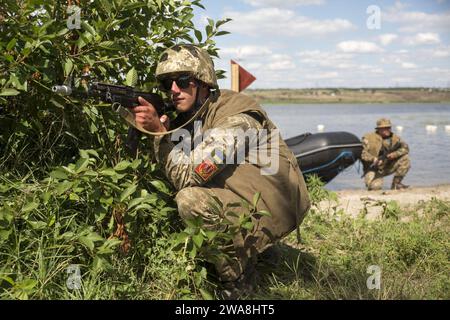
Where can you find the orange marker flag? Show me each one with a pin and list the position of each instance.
(244, 78)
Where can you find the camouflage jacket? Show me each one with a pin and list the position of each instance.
(374, 146)
(283, 191)
(181, 162)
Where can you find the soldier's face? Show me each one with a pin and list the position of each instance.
(183, 94)
(384, 132)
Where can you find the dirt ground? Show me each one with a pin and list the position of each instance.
(353, 201)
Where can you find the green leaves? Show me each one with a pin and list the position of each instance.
(160, 186)
(11, 44)
(21, 289)
(59, 174)
(132, 77)
(63, 205)
(109, 45)
(68, 67)
(9, 92)
(108, 172)
(124, 164)
(198, 35)
(127, 192)
(88, 153)
(86, 26)
(256, 199)
(30, 206)
(81, 165)
(198, 240)
(205, 294)
(88, 239)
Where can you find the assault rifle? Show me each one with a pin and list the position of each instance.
(121, 98)
(384, 159)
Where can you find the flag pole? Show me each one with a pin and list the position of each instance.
(235, 77)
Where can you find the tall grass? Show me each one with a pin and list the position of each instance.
(43, 232)
(411, 248)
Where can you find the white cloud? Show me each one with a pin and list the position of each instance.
(319, 58)
(370, 68)
(386, 39)
(253, 65)
(441, 53)
(423, 39)
(323, 75)
(416, 21)
(281, 62)
(281, 65)
(358, 47)
(335, 60)
(408, 65)
(398, 59)
(436, 52)
(282, 22)
(400, 80)
(283, 3)
(203, 20)
(327, 58)
(244, 52)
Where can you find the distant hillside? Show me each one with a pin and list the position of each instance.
(365, 95)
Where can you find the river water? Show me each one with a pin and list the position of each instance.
(426, 129)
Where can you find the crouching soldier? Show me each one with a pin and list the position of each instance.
(384, 153)
(187, 74)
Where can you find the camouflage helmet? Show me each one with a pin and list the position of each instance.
(383, 123)
(189, 59)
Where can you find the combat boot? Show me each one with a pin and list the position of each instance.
(397, 184)
(242, 287)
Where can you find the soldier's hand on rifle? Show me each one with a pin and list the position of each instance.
(377, 162)
(147, 117)
(390, 156)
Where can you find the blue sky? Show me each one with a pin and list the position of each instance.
(327, 43)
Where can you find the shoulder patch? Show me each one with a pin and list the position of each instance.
(206, 169)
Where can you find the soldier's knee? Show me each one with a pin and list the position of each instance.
(403, 166)
(375, 185)
(407, 162)
(368, 177)
(186, 200)
(193, 202)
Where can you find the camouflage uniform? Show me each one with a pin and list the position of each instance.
(375, 147)
(201, 173)
(196, 193)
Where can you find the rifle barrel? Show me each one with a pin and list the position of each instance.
(62, 90)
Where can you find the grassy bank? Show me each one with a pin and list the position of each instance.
(39, 243)
(336, 95)
(411, 248)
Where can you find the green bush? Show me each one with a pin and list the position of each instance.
(118, 41)
(69, 192)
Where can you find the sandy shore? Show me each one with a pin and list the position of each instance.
(354, 201)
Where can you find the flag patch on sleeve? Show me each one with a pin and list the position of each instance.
(206, 169)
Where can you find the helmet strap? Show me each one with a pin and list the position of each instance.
(198, 103)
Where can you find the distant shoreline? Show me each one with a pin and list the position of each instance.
(349, 96)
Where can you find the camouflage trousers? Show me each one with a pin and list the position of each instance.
(195, 202)
(399, 167)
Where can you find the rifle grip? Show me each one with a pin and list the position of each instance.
(133, 137)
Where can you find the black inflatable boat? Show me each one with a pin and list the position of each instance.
(325, 154)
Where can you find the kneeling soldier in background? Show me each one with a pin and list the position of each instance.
(384, 153)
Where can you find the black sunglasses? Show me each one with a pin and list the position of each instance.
(182, 82)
